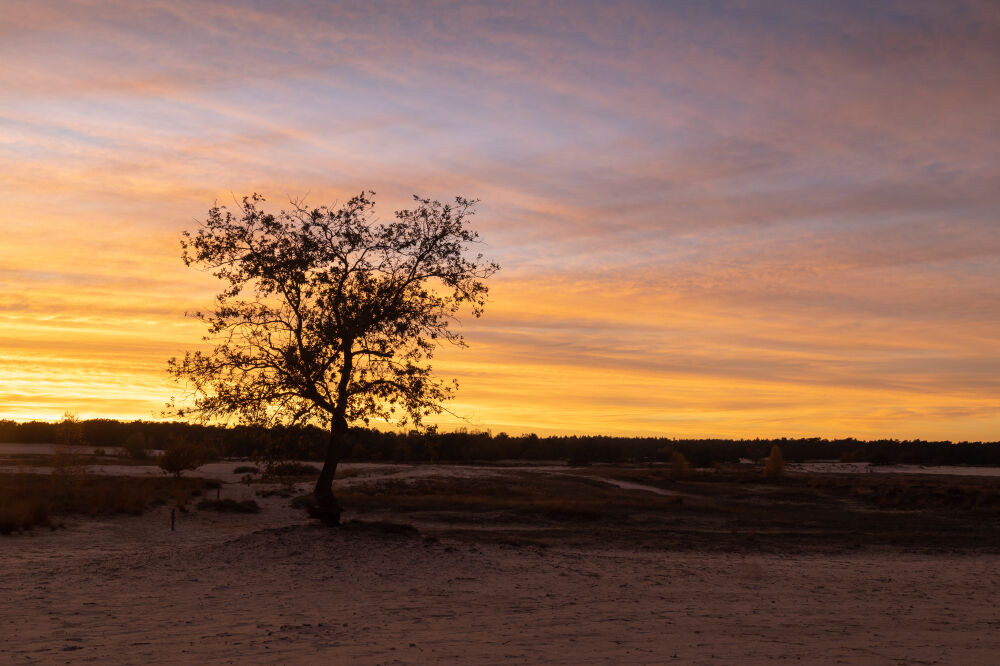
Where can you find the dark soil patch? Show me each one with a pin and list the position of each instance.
(229, 506)
(381, 527)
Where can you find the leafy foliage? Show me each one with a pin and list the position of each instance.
(327, 312)
(329, 316)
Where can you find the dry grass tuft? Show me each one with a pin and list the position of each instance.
(19, 514)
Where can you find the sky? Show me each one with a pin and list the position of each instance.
(714, 218)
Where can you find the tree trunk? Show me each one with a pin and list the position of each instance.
(326, 508)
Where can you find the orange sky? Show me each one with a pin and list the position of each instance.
(714, 218)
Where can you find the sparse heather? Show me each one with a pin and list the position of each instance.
(30, 500)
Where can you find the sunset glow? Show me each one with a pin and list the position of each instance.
(714, 218)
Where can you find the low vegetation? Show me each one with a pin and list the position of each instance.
(276, 470)
(29, 500)
(732, 508)
(524, 494)
(182, 456)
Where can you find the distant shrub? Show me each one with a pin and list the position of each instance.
(135, 446)
(775, 466)
(70, 430)
(289, 468)
(181, 456)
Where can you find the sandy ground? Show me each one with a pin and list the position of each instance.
(270, 588)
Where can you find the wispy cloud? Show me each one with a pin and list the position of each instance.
(714, 217)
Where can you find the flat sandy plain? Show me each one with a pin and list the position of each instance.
(555, 565)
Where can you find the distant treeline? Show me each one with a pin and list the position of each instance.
(309, 443)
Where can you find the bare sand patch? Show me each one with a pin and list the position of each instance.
(309, 595)
(272, 588)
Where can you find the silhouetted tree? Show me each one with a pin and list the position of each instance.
(180, 456)
(329, 316)
(70, 430)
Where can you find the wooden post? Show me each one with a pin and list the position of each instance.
(172, 512)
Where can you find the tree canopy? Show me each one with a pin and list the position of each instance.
(328, 315)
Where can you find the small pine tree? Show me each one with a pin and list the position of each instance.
(678, 465)
(775, 466)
